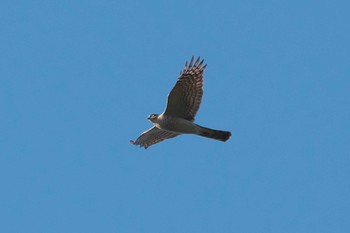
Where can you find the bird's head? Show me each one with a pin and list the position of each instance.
(153, 117)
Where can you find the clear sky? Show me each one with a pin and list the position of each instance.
(78, 79)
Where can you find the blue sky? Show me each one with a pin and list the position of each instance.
(78, 79)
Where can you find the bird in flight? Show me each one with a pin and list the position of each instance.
(182, 106)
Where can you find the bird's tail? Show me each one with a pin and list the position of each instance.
(214, 134)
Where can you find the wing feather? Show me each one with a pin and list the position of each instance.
(186, 96)
(153, 136)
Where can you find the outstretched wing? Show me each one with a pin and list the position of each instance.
(153, 136)
(185, 97)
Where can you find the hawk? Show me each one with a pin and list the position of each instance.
(182, 106)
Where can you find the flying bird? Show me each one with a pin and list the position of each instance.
(182, 105)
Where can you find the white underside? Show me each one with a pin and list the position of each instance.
(175, 124)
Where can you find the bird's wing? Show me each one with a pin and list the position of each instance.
(152, 136)
(185, 97)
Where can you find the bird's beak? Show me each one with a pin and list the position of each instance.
(148, 117)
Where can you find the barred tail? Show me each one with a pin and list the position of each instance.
(214, 134)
